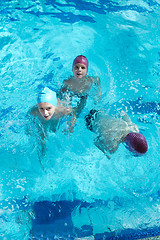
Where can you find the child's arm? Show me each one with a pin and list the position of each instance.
(70, 120)
(34, 130)
(78, 109)
(62, 90)
(72, 123)
(33, 127)
(125, 117)
(62, 110)
(97, 83)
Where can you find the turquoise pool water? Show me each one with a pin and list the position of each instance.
(79, 192)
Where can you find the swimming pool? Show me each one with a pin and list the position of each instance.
(79, 193)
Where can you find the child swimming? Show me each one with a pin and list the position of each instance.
(49, 112)
(111, 131)
(76, 89)
(45, 118)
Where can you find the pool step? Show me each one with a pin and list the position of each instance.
(85, 238)
(151, 238)
(92, 238)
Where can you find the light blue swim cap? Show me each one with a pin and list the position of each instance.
(48, 96)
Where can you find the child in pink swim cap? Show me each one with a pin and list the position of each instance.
(136, 143)
(111, 131)
(80, 67)
(80, 60)
(76, 89)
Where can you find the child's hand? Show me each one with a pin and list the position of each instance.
(71, 124)
(68, 111)
(68, 131)
(71, 129)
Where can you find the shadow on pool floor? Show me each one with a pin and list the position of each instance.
(53, 220)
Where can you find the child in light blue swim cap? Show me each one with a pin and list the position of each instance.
(47, 103)
(46, 117)
(50, 110)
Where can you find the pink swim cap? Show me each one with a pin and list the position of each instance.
(136, 143)
(80, 59)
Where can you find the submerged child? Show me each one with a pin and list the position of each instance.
(112, 131)
(45, 118)
(48, 113)
(76, 89)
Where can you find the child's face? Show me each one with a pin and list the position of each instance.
(79, 70)
(46, 110)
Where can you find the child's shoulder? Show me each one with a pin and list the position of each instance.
(68, 80)
(66, 83)
(34, 111)
(95, 80)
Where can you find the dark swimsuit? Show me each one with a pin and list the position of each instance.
(90, 119)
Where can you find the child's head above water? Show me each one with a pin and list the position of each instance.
(80, 66)
(47, 102)
(136, 143)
